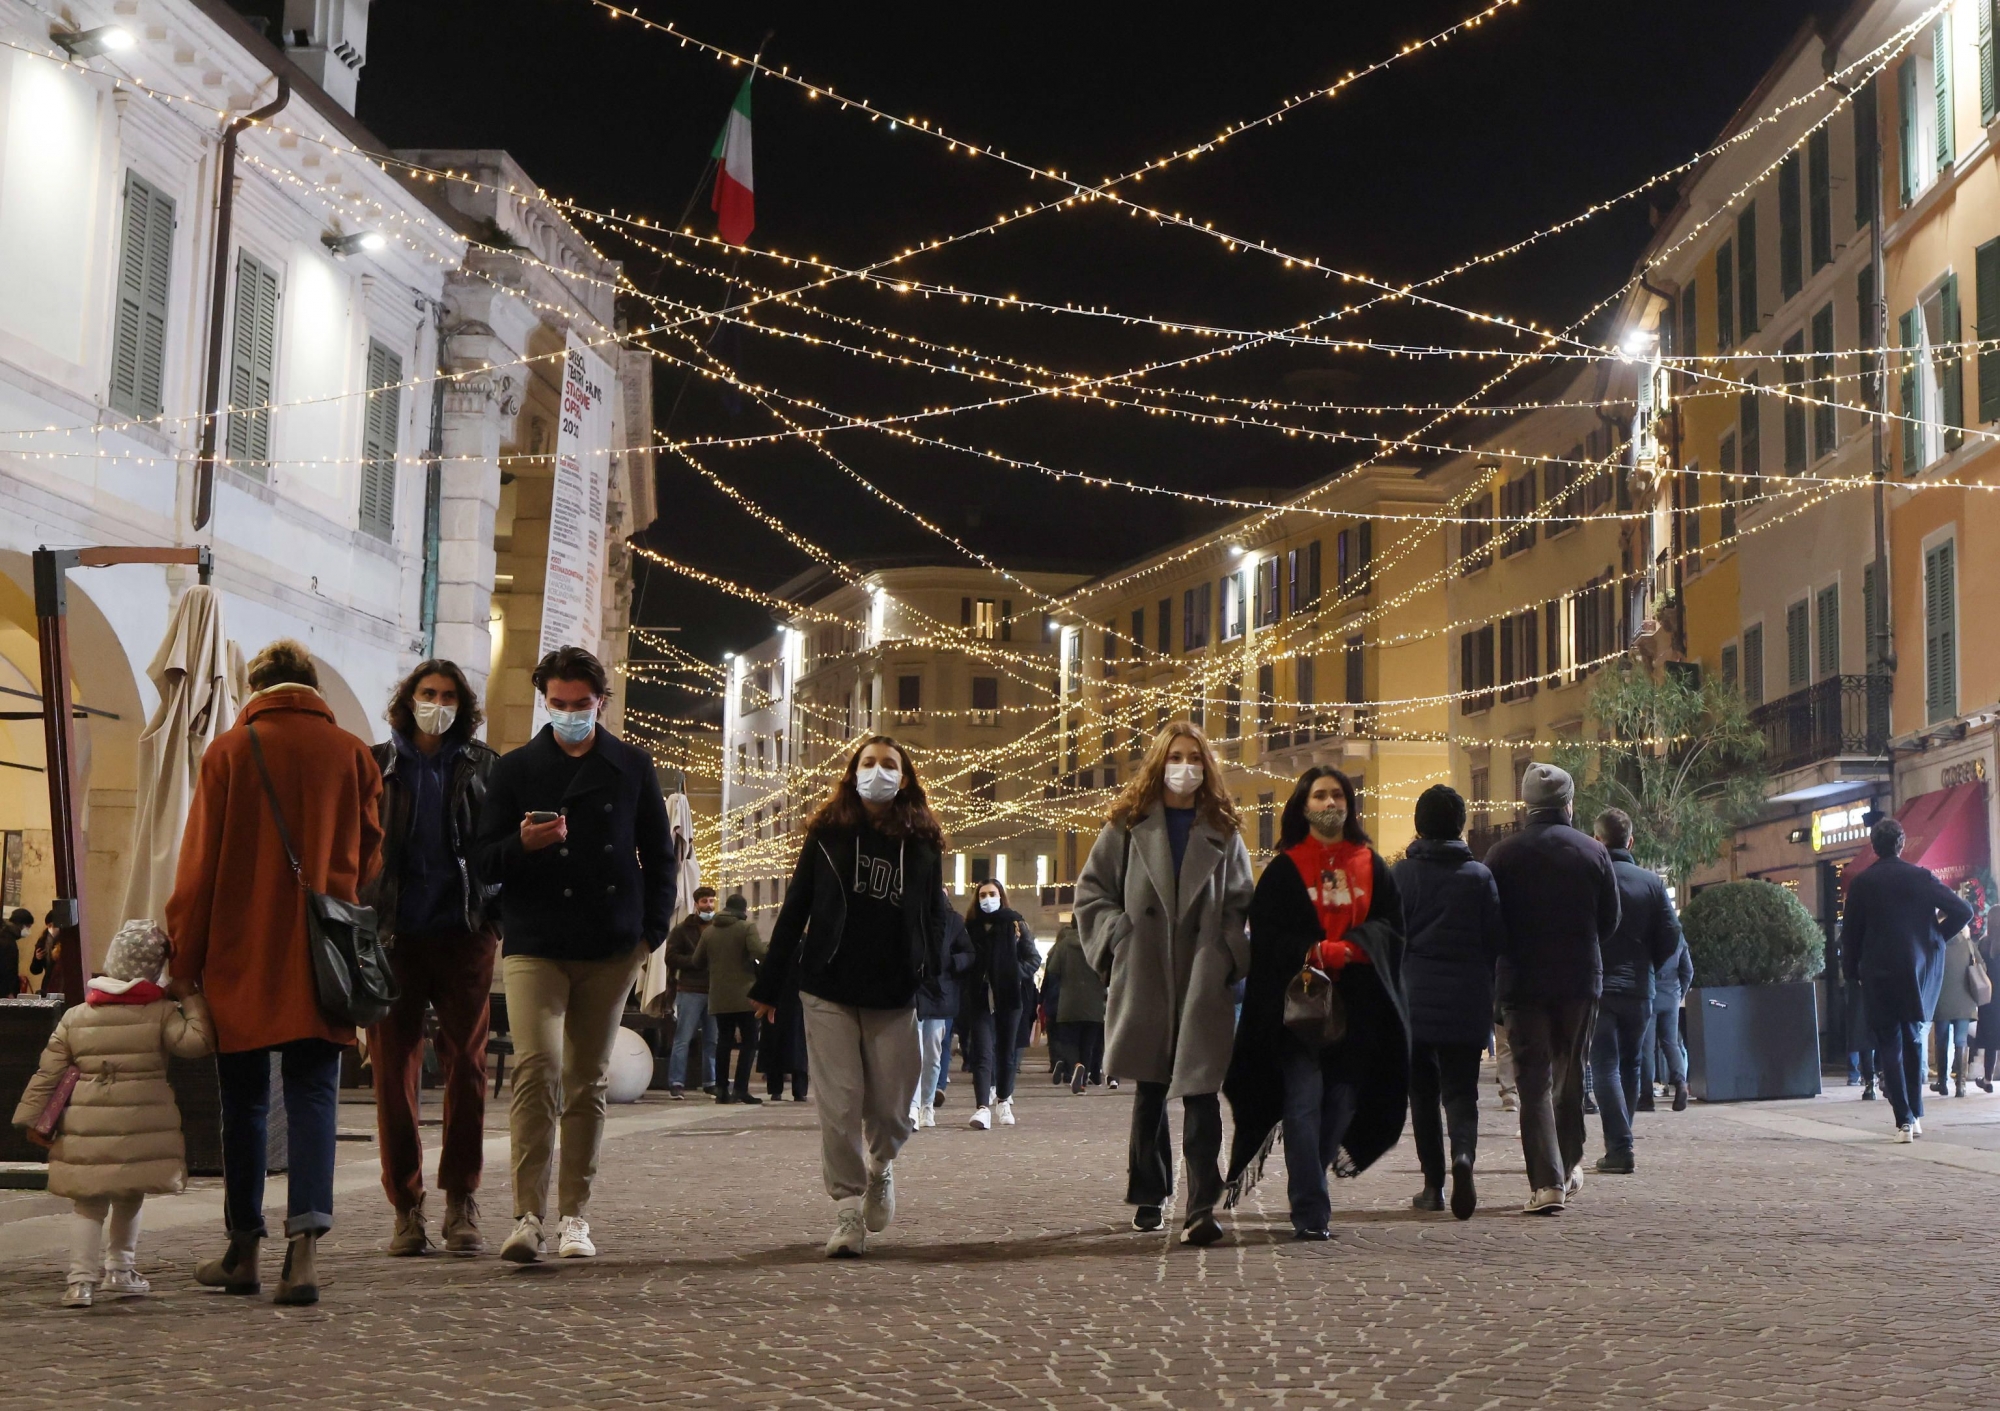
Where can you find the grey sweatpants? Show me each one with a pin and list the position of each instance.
(864, 1065)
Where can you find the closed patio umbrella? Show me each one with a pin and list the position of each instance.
(654, 978)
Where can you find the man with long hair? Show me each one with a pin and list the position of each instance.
(437, 917)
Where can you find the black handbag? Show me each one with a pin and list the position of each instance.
(1314, 1011)
(351, 973)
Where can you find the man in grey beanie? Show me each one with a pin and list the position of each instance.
(1559, 900)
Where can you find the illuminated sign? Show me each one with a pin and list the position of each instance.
(1836, 827)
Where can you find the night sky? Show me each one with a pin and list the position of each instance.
(1545, 108)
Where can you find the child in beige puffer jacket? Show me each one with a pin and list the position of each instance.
(119, 1139)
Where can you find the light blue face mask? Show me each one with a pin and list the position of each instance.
(573, 726)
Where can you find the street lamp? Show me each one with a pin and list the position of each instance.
(104, 39)
(345, 245)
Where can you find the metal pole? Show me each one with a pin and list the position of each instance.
(59, 734)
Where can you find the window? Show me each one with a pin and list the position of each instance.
(1295, 581)
(986, 693)
(1232, 607)
(1312, 574)
(1269, 608)
(1138, 632)
(982, 871)
(1267, 695)
(1871, 622)
(1933, 381)
(1517, 504)
(1746, 272)
(1518, 666)
(1353, 550)
(1791, 261)
(1749, 441)
(1729, 672)
(1356, 670)
(1826, 625)
(1986, 326)
(1923, 92)
(909, 693)
(1690, 337)
(1475, 669)
(145, 274)
(1560, 491)
(1475, 535)
(1305, 687)
(1164, 626)
(981, 615)
(1798, 647)
(1110, 649)
(381, 416)
(1753, 665)
(1232, 709)
(253, 360)
(1691, 503)
(1988, 108)
(1726, 462)
(985, 786)
(1940, 634)
(1871, 334)
(1819, 198)
(1825, 430)
(1866, 134)
(1795, 410)
(1195, 614)
(1072, 662)
(1725, 297)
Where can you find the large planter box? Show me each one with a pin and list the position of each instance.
(1750, 1042)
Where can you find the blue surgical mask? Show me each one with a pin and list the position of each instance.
(877, 784)
(573, 726)
(989, 905)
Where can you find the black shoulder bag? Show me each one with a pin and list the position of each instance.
(351, 971)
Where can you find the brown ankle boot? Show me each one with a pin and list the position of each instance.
(298, 1281)
(412, 1237)
(461, 1226)
(236, 1270)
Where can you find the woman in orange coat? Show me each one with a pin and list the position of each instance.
(238, 922)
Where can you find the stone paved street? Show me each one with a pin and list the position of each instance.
(1781, 1255)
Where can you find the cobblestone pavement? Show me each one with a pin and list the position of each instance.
(1768, 1256)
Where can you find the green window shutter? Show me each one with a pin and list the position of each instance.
(1906, 117)
(1725, 297)
(145, 272)
(1825, 427)
(1798, 647)
(1867, 132)
(1689, 345)
(253, 359)
(1791, 266)
(1794, 369)
(1986, 326)
(1871, 621)
(1986, 96)
(1750, 447)
(1911, 410)
(1951, 366)
(1827, 610)
(381, 417)
(1746, 271)
(1941, 86)
(1819, 198)
(1753, 665)
(1940, 632)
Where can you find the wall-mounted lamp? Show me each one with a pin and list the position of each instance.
(105, 39)
(345, 245)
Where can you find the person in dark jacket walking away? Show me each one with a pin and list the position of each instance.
(1004, 961)
(437, 917)
(1893, 940)
(862, 931)
(1326, 901)
(1559, 899)
(691, 1015)
(1648, 936)
(1986, 1035)
(13, 931)
(730, 950)
(935, 1012)
(1451, 915)
(781, 1048)
(1671, 983)
(575, 832)
(1079, 1007)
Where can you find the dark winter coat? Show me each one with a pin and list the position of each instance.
(958, 956)
(1893, 941)
(1004, 963)
(1672, 981)
(1284, 926)
(610, 884)
(1559, 897)
(807, 933)
(1989, 1012)
(471, 769)
(1648, 934)
(1955, 1002)
(1078, 988)
(731, 951)
(1451, 917)
(690, 976)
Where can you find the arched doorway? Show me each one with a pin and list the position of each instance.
(348, 712)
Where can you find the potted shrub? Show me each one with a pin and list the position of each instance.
(1753, 1013)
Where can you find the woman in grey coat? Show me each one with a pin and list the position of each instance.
(1951, 1021)
(1160, 906)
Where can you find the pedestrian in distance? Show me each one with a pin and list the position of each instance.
(992, 995)
(47, 954)
(438, 919)
(13, 931)
(1161, 905)
(283, 779)
(862, 931)
(730, 950)
(935, 1012)
(118, 1140)
(1671, 982)
(1079, 1007)
(1986, 1036)
(1451, 917)
(691, 1014)
(575, 833)
(1559, 900)
(1648, 936)
(1951, 1020)
(1893, 942)
(781, 1048)
(1048, 1005)
(1329, 903)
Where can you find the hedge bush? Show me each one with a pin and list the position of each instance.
(1751, 933)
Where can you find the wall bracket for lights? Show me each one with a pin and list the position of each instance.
(83, 43)
(362, 240)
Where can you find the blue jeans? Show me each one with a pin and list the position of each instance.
(1899, 1053)
(311, 1069)
(1667, 1039)
(1624, 1026)
(1954, 1036)
(691, 1013)
(944, 1060)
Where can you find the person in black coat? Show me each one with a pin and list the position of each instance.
(1898, 920)
(1326, 900)
(1559, 899)
(1648, 936)
(992, 997)
(936, 1011)
(1451, 915)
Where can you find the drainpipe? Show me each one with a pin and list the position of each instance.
(211, 387)
(1674, 459)
(434, 490)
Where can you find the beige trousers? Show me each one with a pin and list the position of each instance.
(563, 1015)
(864, 1065)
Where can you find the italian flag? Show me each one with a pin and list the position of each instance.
(735, 210)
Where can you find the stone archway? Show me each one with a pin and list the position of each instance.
(348, 712)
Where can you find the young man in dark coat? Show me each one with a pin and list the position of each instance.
(1647, 936)
(1451, 913)
(1559, 897)
(1898, 920)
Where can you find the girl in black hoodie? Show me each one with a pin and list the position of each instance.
(992, 996)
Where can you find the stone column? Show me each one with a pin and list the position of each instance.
(470, 495)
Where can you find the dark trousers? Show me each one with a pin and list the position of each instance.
(1444, 1076)
(1150, 1160)
(452, 973)
(1548, 1041)
(995, 1060)
(1624, 1028)
(1084, 1041)
(1323, 1088)
(311, 1069)
(1899, 1050)
(738, 1031)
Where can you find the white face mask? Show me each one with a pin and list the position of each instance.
(989, 905)
(706, 913)
(573, 726)
(1183, 778)
(432, 717)
(877, 784)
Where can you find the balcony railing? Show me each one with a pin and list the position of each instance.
(1842, 715)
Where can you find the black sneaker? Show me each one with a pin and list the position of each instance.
(1147, 1218)
(677, 1093)
(1680, 1097)
(1868, 1093)
(1202, 1231)
(1463, 1199)
(749, 1101)
(1645, 1104)
(1322, 1233)
(725, 1097)
(1615, 1164)
(1589, 1105)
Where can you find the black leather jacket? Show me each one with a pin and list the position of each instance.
(469, 775)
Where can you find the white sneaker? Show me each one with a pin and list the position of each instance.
(77, 1295)
(573, 1239)
(1904, 1136)
(928, 1118)
(982, 1120)
(1006, 1111)
(1916, 1126)
(1574, 1183)
(1546, 1201)
(878, 1207)
(1507, 1103)
(850, 1236)
(123, 1283)
(524, 1246)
